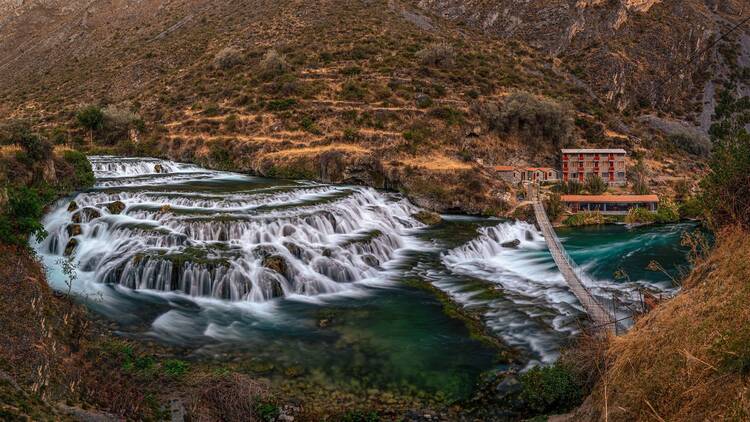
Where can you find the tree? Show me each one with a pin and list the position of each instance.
(726, 189)
(638, 175)
(554, 206)
(91, 118)
(596, 185)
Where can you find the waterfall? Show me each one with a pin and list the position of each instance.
(164, 226)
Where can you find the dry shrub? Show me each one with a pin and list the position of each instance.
(272, 65)
(230, 397)
(228, 57)
(689, 359)
(540, 121)
(437, 54)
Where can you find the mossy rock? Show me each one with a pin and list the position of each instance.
(428, 217)
(73, 206)
(73, 230)
(294, 249)
(165, 208)
(116, 207)
(71, 246)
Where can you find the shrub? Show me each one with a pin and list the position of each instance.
(554, 206)
(267, 411)
(84, 175)
(726, 188)
(437, 54)
(572, 187)
(36, 147)
(21, 218)
(694, 143)
(353, 91)
(550, 389)
(227, 58)
(90, 118)
(117, 123)
(593, 218)
(640, 215)
(272, 65)
(539, 120)
(281, 104)
(668, 212)
(596, 185)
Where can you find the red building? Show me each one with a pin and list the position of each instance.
(609, 164)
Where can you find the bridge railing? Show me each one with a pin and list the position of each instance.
(589, 300)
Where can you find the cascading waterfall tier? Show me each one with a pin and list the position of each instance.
(159, 225)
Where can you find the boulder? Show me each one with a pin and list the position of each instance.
(165, 208)
(158, 168)
(529, 236)
(87, 213)
(276, 263)
(512, 244)
(72, 206)
(116, 207)
(294, 249)
(71, 246)
(428, 217)
(73, 230)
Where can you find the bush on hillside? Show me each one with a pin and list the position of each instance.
(90, 118)
(540, 121)
(227, 58)
(437, 54)
(117, 123)
(726, 188)
(596, 185)
(692, 143)
(83, 174)
(272, 65)
(21, 218)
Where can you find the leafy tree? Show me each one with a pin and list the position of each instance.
(726, 189)
(554, 206)
(596, 185)
(91, 118)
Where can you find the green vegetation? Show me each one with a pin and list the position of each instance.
(267, 411)
(91, 118)
(550, 389)
(541, 121)
(21, 218)
(726, 188)
(554, 206)
(585, 219)
(595, 185)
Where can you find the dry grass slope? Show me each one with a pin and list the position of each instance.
(689, 359)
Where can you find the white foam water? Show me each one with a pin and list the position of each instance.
(232, 243)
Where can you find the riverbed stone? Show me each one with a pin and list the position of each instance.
(529, 236)
(158, 168)
(276, 263)
(72, 206)
(116, 207)
(512, 244)
(86, 213)
(427, 217)
(294, 249)
(73, 230)
(71, 246)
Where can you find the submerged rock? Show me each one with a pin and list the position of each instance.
(116, 207)
(294, 249)
(165, 208)
(428, 217)
(512, 244)
(529, 236)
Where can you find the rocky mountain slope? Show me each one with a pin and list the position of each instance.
(393, 94)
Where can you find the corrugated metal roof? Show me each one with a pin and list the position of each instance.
(504, 168)
(594, 151)
(610, 198)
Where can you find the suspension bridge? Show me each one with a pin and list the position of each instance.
(604, 321)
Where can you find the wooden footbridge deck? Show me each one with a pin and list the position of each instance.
(603, 320)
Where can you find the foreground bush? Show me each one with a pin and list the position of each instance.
(550, 389)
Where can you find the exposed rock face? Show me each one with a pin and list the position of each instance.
(624, 49)
(512, 244)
